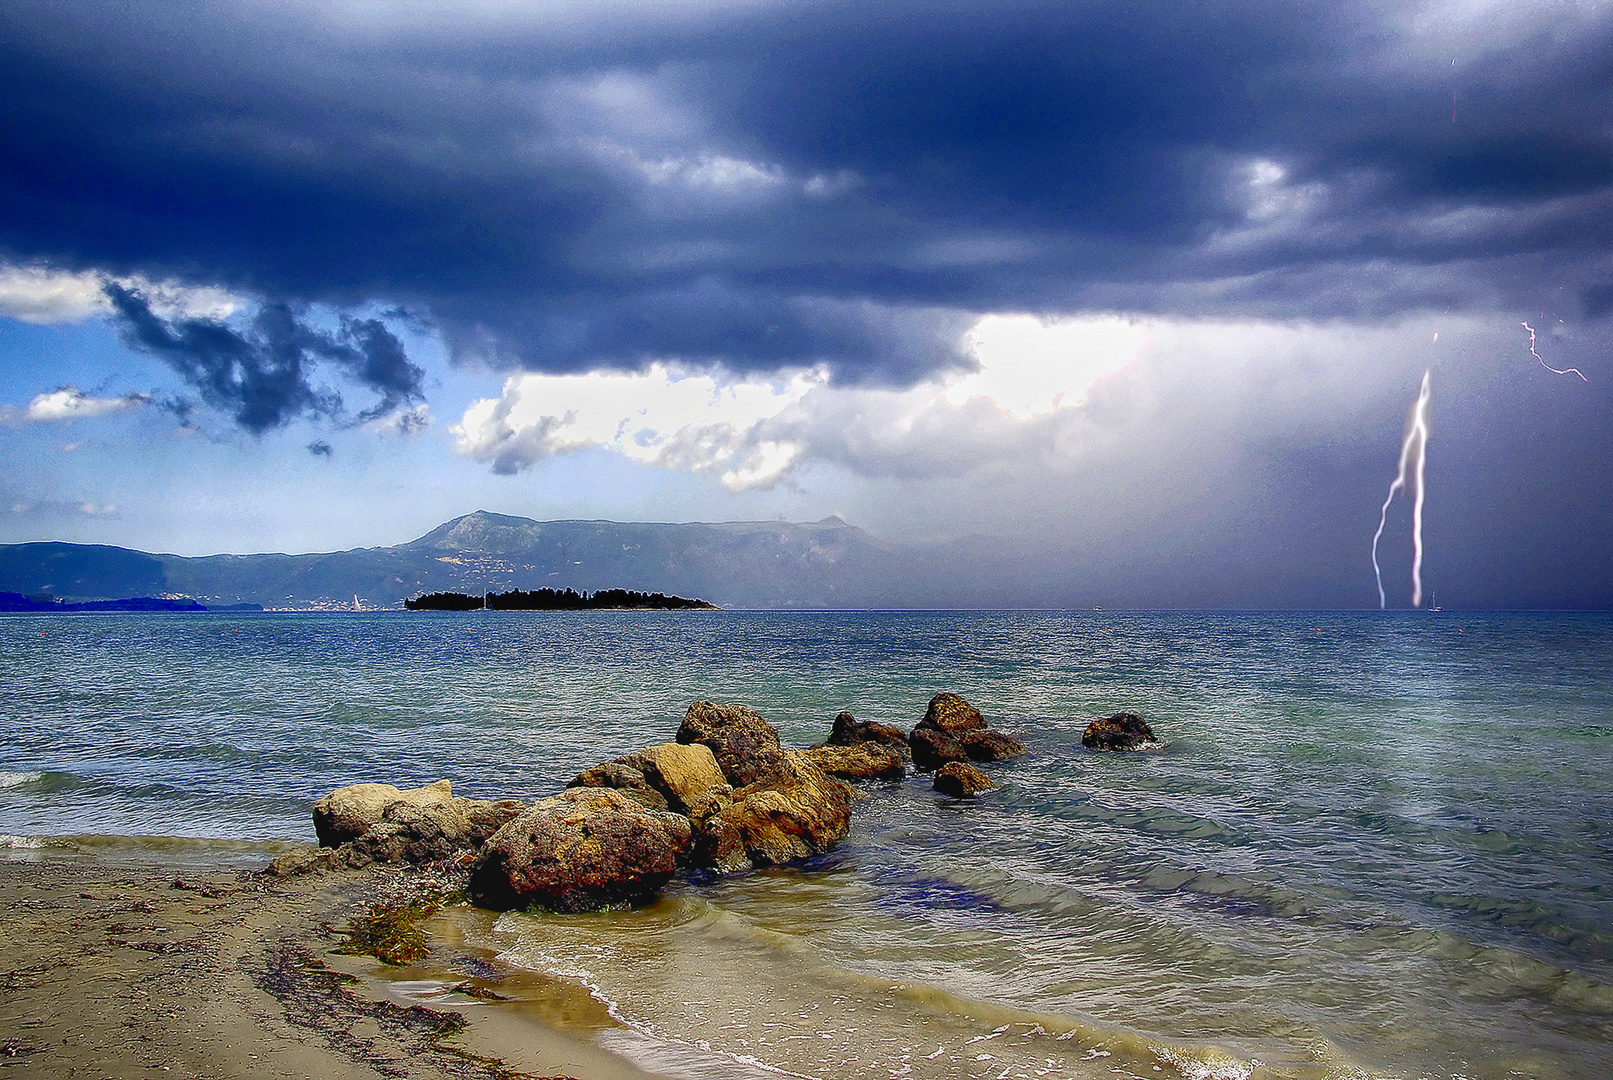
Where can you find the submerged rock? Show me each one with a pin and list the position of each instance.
(670, 776)
(795, 812)
(746, 747)
(348, 812)
(961, 780)
(864, 761)
(952, 714)
(933, 748)
(583, 849)
(849, 731)
(989, 745)
(1122, 731)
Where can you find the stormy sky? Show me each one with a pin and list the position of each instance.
(1141, 293)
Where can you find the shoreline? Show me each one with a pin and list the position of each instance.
(120, 960)
(117, 964)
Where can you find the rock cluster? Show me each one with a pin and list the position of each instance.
(726, 796)
(954, 730)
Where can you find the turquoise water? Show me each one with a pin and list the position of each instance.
(1376, 845)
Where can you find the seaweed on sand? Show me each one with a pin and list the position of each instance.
(390, 930)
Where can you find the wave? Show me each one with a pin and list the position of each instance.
(24, 843)
(40, 782)
(706, 991)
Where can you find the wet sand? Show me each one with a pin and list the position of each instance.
(119, 968)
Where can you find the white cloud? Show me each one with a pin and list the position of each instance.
(39, 295)
(401, 422)
(36, 295)
(712, 172)
(662, 416)
(174, 301)
(1031, 367)
(755, 433)
(70, 403)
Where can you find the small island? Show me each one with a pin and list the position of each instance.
(556, 600)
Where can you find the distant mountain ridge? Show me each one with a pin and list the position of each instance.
(751, 564)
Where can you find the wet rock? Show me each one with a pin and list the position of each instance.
(412, 833)
(952, 714)
(864, 761)
(584, 849)
(961, 780)
(989, 745)
(933, 748)
(348, 812)
(746, 746)
(849, 731)
(1122, 731)
(795, 812)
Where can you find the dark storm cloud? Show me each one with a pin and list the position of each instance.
(798, 183)
(261, 375)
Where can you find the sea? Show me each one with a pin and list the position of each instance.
(1372, 845)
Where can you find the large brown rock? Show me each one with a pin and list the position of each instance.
(864, 761)
(933, 748)
(961, 780)
(666, 777)
(583, 849)
(797, 811)
(414, 833)
(950, 713)
(348, 812)
(1122, 731)
(988, 745)
(849, 731)
(746, 746)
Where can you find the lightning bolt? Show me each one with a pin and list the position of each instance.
(1416, 442)
(1548, 367)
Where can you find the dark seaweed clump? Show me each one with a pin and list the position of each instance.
(390, 931)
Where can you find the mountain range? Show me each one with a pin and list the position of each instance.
(824, 564)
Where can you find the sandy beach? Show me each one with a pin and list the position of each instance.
(114, 968)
